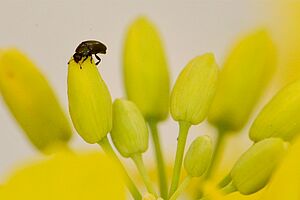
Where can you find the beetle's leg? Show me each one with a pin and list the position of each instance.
(91, 59)
(98, 58)
(85, 59)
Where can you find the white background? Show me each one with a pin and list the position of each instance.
(49, 31)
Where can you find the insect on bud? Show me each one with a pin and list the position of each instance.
(198, 156)
(32, 101)
(243, 79)
(90, 102)
(280, 117)
(129, 133)
(194, 89)
(254, 168)
(146, 75)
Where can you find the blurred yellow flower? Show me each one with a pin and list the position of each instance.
(285, 23)
(66, 176)
(32, 101)
(285, 183)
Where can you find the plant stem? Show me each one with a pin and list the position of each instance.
(163, 185)
(183, 132)
(181, 188)
(138, 160)
(219, 147)
(106, 146)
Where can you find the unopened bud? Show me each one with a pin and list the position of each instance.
(280, 117)
(90, 102)
(198, 156)
(243, 79)
(129, 133)
(194, 90)
(146, 73)
(254, 168)
(32, 101)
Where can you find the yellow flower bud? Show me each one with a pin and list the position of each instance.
(243, 79)
(129, 133)
(198, 156)
(194, 89)
(280, 117)
(146, 74)
(32, 101)
(254, 168)
(90, 102)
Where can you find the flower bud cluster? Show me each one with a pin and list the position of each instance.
(227, 97)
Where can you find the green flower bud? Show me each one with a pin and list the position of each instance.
(129, 133)
(198, 156)
(32, 101)
(146, 74)
(280, 117)
(90, 102)
(254, 168)
(194, 89)
(243, 79)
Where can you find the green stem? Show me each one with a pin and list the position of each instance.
(106, 146)
(163, 185)
(219, 147)
(183, 132)
(138, 160)
(181, 188)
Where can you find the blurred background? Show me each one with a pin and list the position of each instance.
(49, 31)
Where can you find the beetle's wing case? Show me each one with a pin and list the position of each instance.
(95, 46)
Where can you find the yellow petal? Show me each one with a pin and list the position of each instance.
(67, 176)
(285, 183)
(31, 100)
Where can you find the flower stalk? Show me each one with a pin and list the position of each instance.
(183, 132)
(181, 187)
(163, 184)
(107, 148)
(138, 160)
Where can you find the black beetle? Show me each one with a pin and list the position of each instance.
(88, 48)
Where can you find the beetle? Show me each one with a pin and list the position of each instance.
(88, 48)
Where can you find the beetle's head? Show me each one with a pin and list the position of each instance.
(77, 57)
